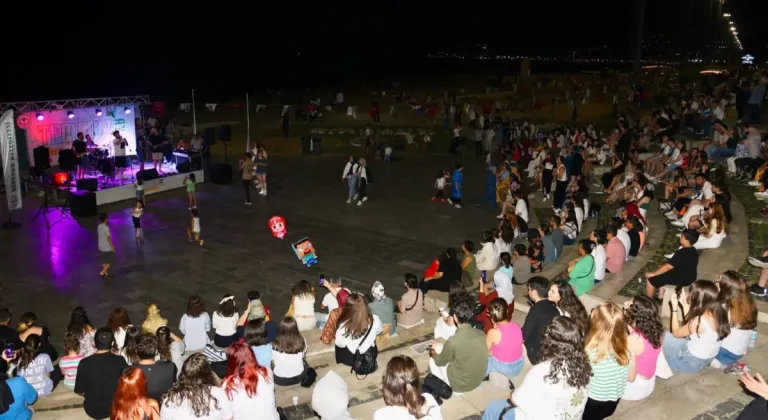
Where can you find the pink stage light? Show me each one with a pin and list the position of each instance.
(40, 116)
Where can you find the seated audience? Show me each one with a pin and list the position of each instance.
(330, 301)
(194, 324)
(130, 344)
(504, 342)
(224, 322)
(623, 236)
(302, 307)
(557, 235)
(131, 400)
(644, 322)
(330, 397)
(255, 335)
(562, 295)
(16, 395)
(632, 226)
(600, 239)
(357, 331)
(160, 374)
(288, 352)
(714, 229)
(487, 258)
(468, 263)
(70, 362)
(550, 252)
(383, 307)
(581, 270)
(98, 375)
(154, 320)
(681, 269)
(448, 271)
(444, 326)
(248, 386)
(692, 346)
(557, 387)
(410, 307)
(521, 264)
(742, 316)
(118, 322)
(539, 316)
(401, 388)
(170, 347)
(614, 251)
(81, 326)
(28, 325)
(196, 394)
(463, 360)
(36, 367)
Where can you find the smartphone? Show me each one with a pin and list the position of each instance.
(483, 276)
(9, 351)
(322, 279)
(443, 312)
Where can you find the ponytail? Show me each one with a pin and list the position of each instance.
(28, 351)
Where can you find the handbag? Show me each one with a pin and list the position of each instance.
(365, 363)
(414, 302)
(310, 376)
(436, 387)
(281, 413)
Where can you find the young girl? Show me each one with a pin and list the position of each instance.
(261, 171)
(136, 214)
(302, 307)
(35, 368)
(140, 189)
(288, 354)
(71, 361)
(440, 182)
(189, 181)
(742, 313)
(194, 228)
(195, 324)
(225, 321)
(644, 322)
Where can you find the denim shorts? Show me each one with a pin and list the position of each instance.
(510, 370)
(679, 358)
(725, 357)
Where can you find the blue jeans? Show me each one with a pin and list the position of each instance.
(717, 154)
(510, 370)
(679, 358)
(726, 358)
(494, 408)
(489, 197)
(352, 184)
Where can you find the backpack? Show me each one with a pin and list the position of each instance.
(365, 363)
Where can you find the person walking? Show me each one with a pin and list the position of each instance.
(350, 175)
(106, 247)
(457, 183)
(246, 167)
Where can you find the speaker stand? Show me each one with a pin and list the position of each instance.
(45, 208)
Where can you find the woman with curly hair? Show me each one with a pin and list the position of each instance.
(614, 359)
(196, 394)
(644, 322)
(81, 326)
(131, 400)
(402, 393)
(562, 375)
(562, 295)
(742, 314)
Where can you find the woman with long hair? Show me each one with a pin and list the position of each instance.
(288, 351)
(81, 326)
(36, 367)
(170, 347)
(556, 387)
(561, 176)
(644, 322)
(357, 330)
(401, 387)
(581, 270)
(131, 401)
(130, 342)
(154, 320)
(196, 394)
(714, 229)
(28, 325)
(691, 347)
(302, 307)
(613, 358)
(225, 322)
(562, 295)
(248, 386)
(194, 324)
(742, 314)
(118, 322)
(504, 342)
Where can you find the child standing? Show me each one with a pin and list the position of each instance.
(136, 214)
(388, 153)
(140, 190)
(71, 361)
(194, 228)
(440, 186)
(189, 181)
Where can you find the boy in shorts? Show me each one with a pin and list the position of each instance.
(194, 228)
(106, 247)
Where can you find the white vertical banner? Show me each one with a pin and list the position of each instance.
(248, 123)
(10, 158)
(194, 116)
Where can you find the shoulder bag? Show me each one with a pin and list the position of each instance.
(365, 363)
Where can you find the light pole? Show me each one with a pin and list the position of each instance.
(638, 39)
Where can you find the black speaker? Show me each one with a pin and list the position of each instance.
(225, 132)
(147, 174)
(88, 184)
(221, 173)
(184, 167)
(83, 204)
(42, 156)
(209, 134)
(66, 160)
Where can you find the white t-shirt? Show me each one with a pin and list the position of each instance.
(195, 224)
(387, 151)
(330, 301)
(456, 132)
(624, 238)
(263, 403)
(288, 365)
(184, 411)
(225, 326)
(706, 191)
(440, 183)
(354, 344)
(719, 113)
(599, 254)
(737, 341)
(538, 398)
(521, 209)
(119, 151)
(392, 412)
(579, 212)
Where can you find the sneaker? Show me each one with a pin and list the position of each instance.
(201, 242)
(761, 262)
(762, 195)
(442, 201)
(365, 198)
(247, 203)
(359, 203)
(434, 199)
(349, 200)
(758, 291)
(677, 223)
(450, 202)
(458, 206)
(764, 212)
(754, 183)
(735, 369)
(354, 197)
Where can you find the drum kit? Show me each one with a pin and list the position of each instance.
(98, 160)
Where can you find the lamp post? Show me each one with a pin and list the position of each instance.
(638, 39)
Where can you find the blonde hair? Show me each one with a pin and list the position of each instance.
(154, 320)
(607, 335)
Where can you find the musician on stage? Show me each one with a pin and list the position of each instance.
(120, 144)
(80, 150)
(158, 141)
(89, 143)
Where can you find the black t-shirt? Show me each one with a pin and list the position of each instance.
(8, 336)
(685, 261)
(157, 142)
(731, 143)
(756, 410)
(97, 377)
(634, 242)
(451, 270)
(539, 317)
(161, 376)
(78, 146)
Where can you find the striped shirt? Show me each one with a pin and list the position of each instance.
(609, 379)
(68, 365)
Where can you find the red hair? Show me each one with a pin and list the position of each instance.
(243, 370)
(131, 400)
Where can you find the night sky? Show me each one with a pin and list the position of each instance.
(77, 49)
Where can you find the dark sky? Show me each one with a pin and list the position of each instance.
(83, 49)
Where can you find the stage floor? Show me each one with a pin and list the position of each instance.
(129, 176)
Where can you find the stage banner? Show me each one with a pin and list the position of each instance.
(56, 129)
(10, 156)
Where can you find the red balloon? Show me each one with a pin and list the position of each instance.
(278, 227)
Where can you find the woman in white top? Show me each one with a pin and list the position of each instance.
(288, 351)
(556, 387)
(715, 229)
(196, 394)
(303, 306)
(118, 322)
(402, 394)
(692, 347)
(488, 257)
(249, 387)
(357, 330)
(502, 283)
(742, 314)
(600, 238)
(350, 175)
(362, 181)
(225, 322)
(195, 325)
(504, 235)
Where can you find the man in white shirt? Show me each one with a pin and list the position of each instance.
(329, 301)
(521, 207)
(119, 144)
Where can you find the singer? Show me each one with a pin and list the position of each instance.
(121, 161)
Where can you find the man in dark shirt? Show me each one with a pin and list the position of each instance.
(681, 269)
(161, 374)
(9, 337)
(157, 141)
(557, 235)
(542, 312)
(98, 374)
(632, 225)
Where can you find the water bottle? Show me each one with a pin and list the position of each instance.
(753, 339)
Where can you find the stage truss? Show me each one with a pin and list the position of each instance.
(21, 107)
